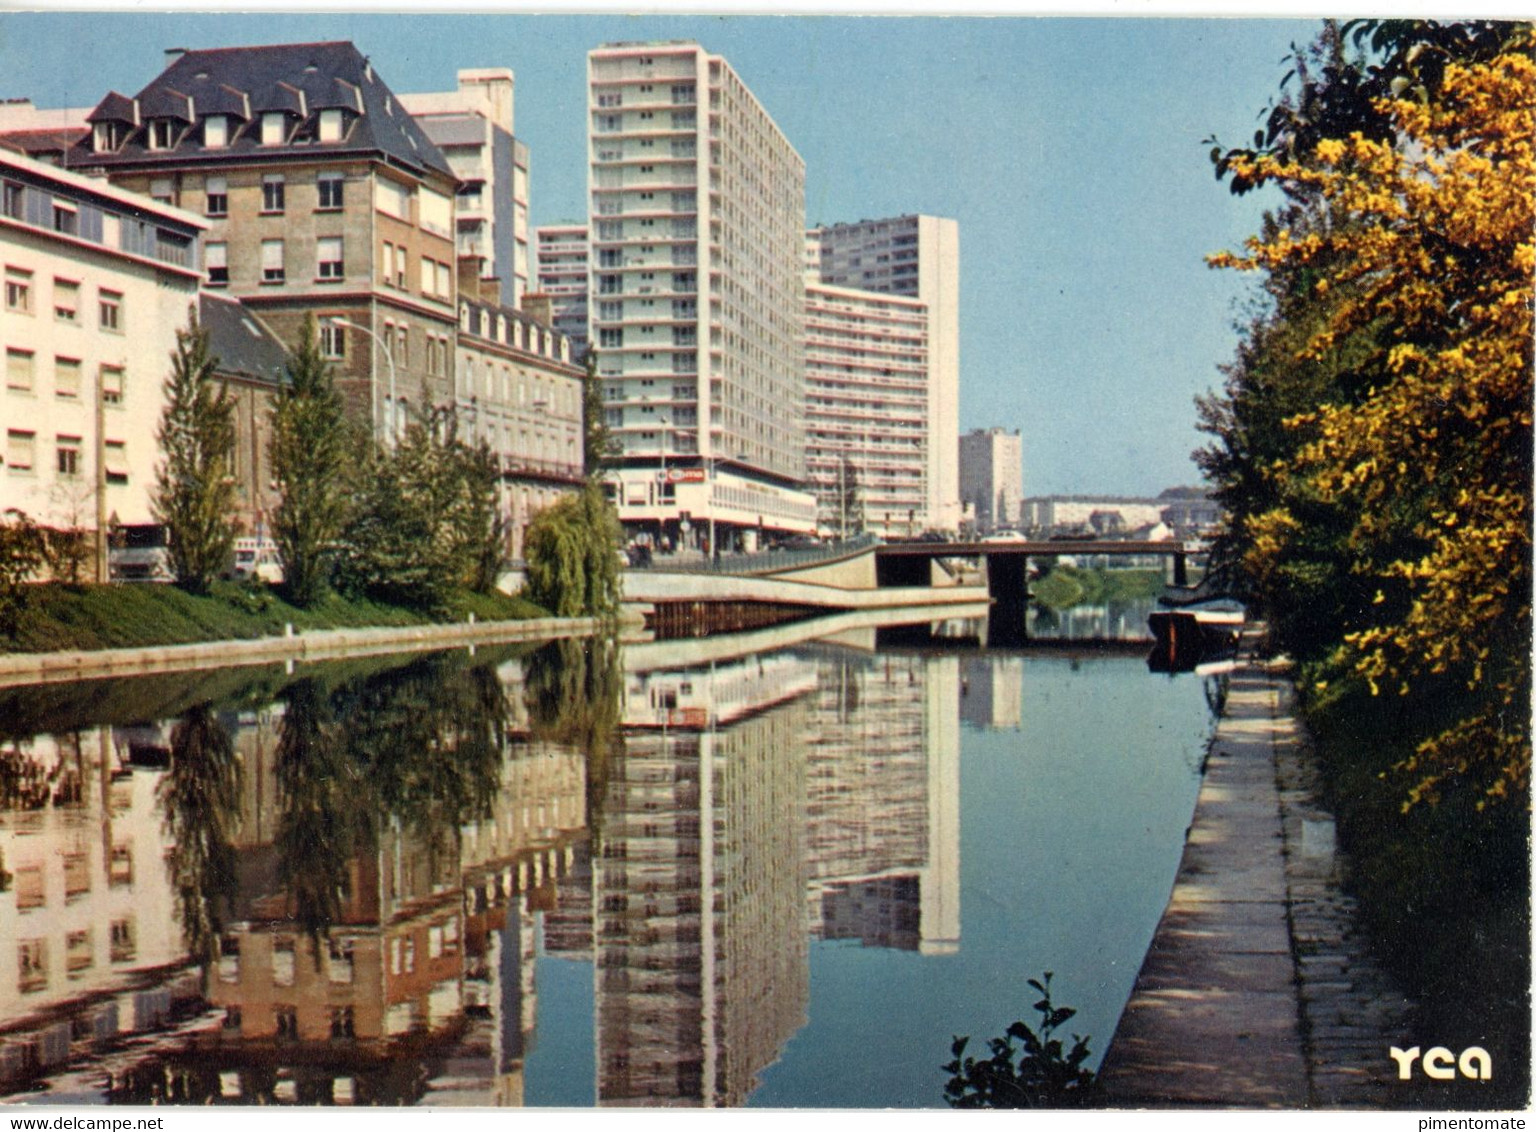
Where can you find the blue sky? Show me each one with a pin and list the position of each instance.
(1069, 150)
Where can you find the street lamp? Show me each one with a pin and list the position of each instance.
(388, 357)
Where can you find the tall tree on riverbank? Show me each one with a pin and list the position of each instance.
(194, 495)
(312, 450)
(1374, 440)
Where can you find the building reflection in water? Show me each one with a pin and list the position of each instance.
(992, 692)
(338, 897)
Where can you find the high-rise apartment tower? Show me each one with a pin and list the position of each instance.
(697, 206)
(916, 256)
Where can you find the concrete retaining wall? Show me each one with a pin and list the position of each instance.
(327, 644)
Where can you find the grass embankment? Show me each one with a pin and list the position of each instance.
(59, 617)
(1444, 889)
(1066, 586)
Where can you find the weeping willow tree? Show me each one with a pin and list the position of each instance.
(572, 551)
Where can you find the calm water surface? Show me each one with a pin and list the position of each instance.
(775, 870)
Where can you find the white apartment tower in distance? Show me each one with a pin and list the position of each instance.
(473, 127)
(697, 213)
(992, 476)
(560, 272)
(916, 256)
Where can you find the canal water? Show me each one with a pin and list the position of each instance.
(783, 869)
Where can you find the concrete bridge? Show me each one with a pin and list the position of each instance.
(688, 596)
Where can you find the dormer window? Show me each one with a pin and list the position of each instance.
(160, 134)
(330, 125)
(216, 131)
(273, 128)
(105, 137)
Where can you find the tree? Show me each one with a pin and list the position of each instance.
(312, 450)
(572, 551)
(1336, 97)
(427, 519)
(21, 553)
(598, 442)
(849, 500)
(1419, 263)
(194, 494)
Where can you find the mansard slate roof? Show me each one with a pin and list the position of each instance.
(243, 346)
(295, 78)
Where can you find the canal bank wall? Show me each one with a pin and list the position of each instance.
(1258, 990)
(313, 645)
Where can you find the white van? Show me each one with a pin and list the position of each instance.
(258, 558)
(139, 552)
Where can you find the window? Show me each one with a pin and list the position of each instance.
(65, 219)
(272, 261)
(67, 449)
(330, 185)
(216, 260)
(340, 966)
(12, 200)
(20, 450)
(444, 281)
(428, 276)
(111, 385)
(392, 198)
(19, 369)
(218, 196)
(610, 284)
(32, 965)
(272, 128)
(66, 377)
(610, 337)
(400, 265)
(272, 193)
(282, 962)
(330, 127)
(388, 263)
(161, 189)
(610, 99)
(160, 134)
(109, 310)
(115, 461)
(610, 229)
(66, 300)
(122, 940)
(609, 257)
(328, 257)
(18, 290)
(215, 131)
(610, 311)
(402, 347)
(333, 340)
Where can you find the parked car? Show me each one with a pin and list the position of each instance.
(1004, 536)
(139, 552)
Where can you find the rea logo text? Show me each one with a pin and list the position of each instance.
(1440, 1064)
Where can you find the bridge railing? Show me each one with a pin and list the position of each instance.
(762, 561)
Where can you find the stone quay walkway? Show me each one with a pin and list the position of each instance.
(1258, 990)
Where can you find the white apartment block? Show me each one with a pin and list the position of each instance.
(561, 269)
(917, 256)
(697, 206)
(97, 280)
(473, 127)
(868, 394)
(992, 476)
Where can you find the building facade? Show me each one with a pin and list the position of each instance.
(992, 476)
(472, 126)
(868, 397)
(697, 205)
(97, 283)
(1097, 514)
(323, 197)
(916, 256)
(561, 262)
(519, 392)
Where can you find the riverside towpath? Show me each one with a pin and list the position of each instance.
(1258, 990)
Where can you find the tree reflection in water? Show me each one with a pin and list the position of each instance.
(574, 691)
(200, 798)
